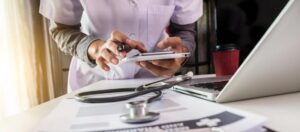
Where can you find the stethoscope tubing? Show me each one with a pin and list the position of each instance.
(139, 91)
(81, 96)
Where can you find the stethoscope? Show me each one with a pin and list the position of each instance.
(138, 110)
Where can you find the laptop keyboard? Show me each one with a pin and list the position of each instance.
(211, 85)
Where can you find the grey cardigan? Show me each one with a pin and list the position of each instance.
(73, 42)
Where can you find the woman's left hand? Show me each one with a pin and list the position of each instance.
(166, 68)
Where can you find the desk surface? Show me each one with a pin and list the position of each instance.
(282, 111)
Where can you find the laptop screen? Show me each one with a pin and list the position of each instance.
(244, 22)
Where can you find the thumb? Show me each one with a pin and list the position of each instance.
(136, 45)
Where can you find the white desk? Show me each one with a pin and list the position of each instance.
(283, 112)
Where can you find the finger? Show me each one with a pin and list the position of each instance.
(101, 62)
(168, 64)
(136, 45)
(139, 64)
(172, 42)
(109, 57)
(155, 70)
(118, 36)
(185, 49)
(179, 61)
(112, 47)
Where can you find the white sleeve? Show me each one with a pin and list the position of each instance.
(66, 12)
(187, 11)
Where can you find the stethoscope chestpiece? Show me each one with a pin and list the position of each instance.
(138, 113)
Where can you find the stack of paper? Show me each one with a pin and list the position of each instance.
(177, 113)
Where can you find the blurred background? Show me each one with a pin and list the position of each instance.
(33, 70)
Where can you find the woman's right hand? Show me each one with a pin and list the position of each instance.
(104, 52)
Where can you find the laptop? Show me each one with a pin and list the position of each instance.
(271, 68)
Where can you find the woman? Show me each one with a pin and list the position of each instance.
(90, 30)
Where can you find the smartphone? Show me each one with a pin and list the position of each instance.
(154, 56)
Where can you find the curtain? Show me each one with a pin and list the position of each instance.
(24, 79)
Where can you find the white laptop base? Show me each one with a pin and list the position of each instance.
(206, 88)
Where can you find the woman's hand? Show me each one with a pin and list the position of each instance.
(169, 67)
(104, 52)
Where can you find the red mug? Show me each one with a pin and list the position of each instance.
(226, 59)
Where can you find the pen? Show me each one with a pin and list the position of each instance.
(123, 47)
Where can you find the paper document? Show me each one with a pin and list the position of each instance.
(177, 113)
